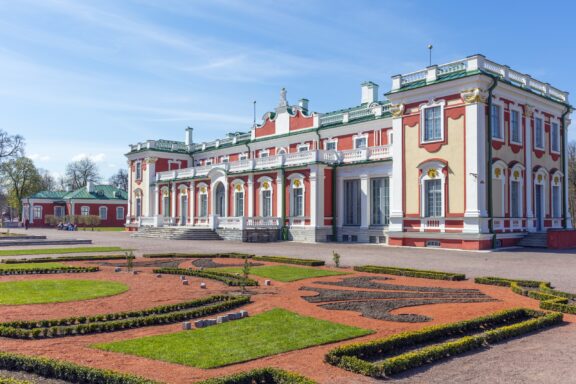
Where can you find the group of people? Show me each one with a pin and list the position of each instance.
(66, 226)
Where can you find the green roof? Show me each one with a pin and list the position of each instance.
(49, 195)
(100, 192)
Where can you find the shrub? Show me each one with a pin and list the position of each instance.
(261, 375)
(290, 260)
(40, 271)
(230, 255)
(226, 278)
(5, 380)
(336, 258)
(65, 371)
(436, 275)
(64, 258)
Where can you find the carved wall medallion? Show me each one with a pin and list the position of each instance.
(474, 95)
(397, 110)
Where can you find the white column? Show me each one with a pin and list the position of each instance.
(528, 178)
(173, 212)
(320, 196)
(364, 202)
(148, 206)
(130, 192)
(250, 195)
(280, 187)
(156, 210)
(192, 201)
(396, 181)
(566, 178)
(312, 195)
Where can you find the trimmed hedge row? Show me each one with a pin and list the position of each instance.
(436, 275)
(13, 381)
(354, 357)
(226, 278)
(64, 258)
(261, 375)
(65, 371)
(550, 299)
(225, 255)
(290, 260)
(106, 323)
(44, 271)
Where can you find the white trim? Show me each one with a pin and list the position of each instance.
(82, 210)
(303, 145)
(243, 156)
(552, 122)
(138, 164)
(297, 178)
(178, 162)
(331, 140)
(100, 212)
(262, 152)
(360, 136)
(59, 207)
(120, 217)
(431, 104)
(224, 159)
(282, 150)
(517, 168)
(261, 189)
(33, 208)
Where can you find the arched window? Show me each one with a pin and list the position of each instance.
(165, 202)
(432, 186)
(138, 200)
(556, 194)
(540, 197)
(202, 200)
(265, 196)
(297, 208)
(499, 170)
(238, 186)
(516, 187)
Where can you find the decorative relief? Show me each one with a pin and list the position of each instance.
(528, 110)
(151, 160)
(397, 110)
(516, 175)
(474, 95)
(238, 187)
(203, 189)
(432, 173)
(556, 180)
(497, 172)
(297, 183)
(540, 178)
(265, 185)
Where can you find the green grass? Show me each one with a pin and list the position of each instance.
(31, 265)
(57, 251)
(285, 273)
(103, 229)
(56, 291)
(265, 334)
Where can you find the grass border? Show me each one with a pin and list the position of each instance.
(57, 251)
(226, 278)
(420, 273)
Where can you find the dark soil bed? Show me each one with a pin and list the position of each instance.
(373, 282)
(210, 263)
(142, 264)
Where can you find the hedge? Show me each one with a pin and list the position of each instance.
(226, 278)
(5, 380)
(119, 321)
(230, 255)
(65, 371)
(290, 260)
(436, 275)
(261, 375)
(354, 357)
(64, 258)
(43, 271)
(550, 299)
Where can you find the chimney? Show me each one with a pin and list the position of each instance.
(303, 104)
(188, 138)
(89, 187)
(369, 92)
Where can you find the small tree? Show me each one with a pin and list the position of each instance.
(336, 258)
(245, 273)
(129, 260)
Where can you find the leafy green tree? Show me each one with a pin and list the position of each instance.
(20, 179)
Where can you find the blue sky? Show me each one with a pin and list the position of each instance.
(87, 78)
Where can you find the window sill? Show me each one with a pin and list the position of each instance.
(432, 141)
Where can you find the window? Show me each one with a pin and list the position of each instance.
(267, 203)
(515, 126)
(380, 188)
(239, 201)
(203, 205)
(303, 148)
(556, 196)
(208, 162)
(539, 134)
(138, 207)
(119, 213)
(432, 124)
(555, 138)
(37, 212)
(166, 205)
(243, 156)
(352, 201)
(85, 211)
(138, 170)
(103, 213)
(360, 142)
(331, 145)
(297, 201)
(515, 199)
(495, 119)
(264, 153)
(224, 159)
(59, 211)
(433, 198)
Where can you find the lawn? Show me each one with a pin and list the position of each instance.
(103, 229)
(284, 273)
(265, 334)
(31, 265)
(56, 291)
(57, 251)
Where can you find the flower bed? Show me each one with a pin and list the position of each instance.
(226, 278)
(38, 329)
(385, 357)
(436, 275)
(65, 371)
(290, 260)
(261, 375)
(44, 271)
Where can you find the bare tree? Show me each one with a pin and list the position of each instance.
(11, 146)
(571, 173)
(120, 179)
(21, 179)
(79, 173)
(47, 181)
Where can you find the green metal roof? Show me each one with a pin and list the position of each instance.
(49, 195)
(101, 192)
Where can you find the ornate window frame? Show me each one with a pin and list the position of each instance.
(297, 182)
(265, 185)
(423, 107)
(520, 131)
(238, 186)
(432, 170)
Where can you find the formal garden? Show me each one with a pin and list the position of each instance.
(107, 316)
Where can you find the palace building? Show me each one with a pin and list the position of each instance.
(468, 154)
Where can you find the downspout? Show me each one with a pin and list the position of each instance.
(489, 162)
(565, 176)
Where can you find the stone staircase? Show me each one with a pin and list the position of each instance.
(177, 233)
(535, 240)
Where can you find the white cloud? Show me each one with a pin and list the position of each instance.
(97, 158)
(39, 157)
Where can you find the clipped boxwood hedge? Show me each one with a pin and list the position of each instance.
(511, 323)
(65, 371)
(261, 375)
(4, 380)
(550, 299)
(167, 314)
(171, 255)
(44, 271)
(64, 258)
(290, 260)
(226, 278)
(436, 275)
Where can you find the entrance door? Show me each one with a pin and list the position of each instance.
(219, 200)
(539, 208)
(183, 210)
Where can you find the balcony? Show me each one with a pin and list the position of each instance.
(290, 159)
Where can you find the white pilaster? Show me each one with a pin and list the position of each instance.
(279, 189)
(250, 195)
(339, 202)
(148, 206)
(173, 212)
(529, 181)
(364, 202)
(566, 176)
(397, 180)
(312, 195)
(320, 196)
(192, 201)
(156, 210)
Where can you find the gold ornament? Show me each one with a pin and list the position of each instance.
(265, 185)
(516, 175)
(203, 189)
(297, 183)
(238, 187)
(397, 110)
(556, 180)
(497, 172)
(539, 178)
(432, 173)
(475, 95)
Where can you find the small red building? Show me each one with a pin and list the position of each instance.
(105, 201)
